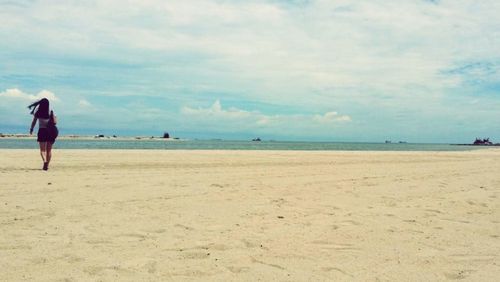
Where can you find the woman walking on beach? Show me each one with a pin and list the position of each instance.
(47, 130)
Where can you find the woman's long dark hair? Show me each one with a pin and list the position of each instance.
(40, 109)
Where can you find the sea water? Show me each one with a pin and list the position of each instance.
(159, 144)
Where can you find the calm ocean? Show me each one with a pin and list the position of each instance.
(6, 143)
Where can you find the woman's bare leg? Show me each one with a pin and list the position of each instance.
(43, 151)
(49, 151)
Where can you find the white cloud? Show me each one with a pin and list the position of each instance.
(331, 117)
(15, 93)
(84, 103)
(216, 113)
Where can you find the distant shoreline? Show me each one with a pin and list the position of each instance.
(478, 145)
(96, 137)
(20, 136)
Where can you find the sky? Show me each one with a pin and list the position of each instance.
(337, 70)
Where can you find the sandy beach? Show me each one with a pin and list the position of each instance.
(104, 215)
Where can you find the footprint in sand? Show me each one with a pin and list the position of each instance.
(279, 202)
(433, 211)
(249, 244)
(268, 264)
(471, 203)
(328, 269)
(195, 255)
(461, 274)
(98, 241)
(238, 269)
(351, 222)
(217, 247)
(410, 220)
(151, 266)
(184, 227)
(71, 258)
(132, 237)
(335, 246)
(97, 270)
(159, 231)
(48, 214)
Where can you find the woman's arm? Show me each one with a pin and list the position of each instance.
(33, 125)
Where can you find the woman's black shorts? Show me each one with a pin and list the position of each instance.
(45, 135)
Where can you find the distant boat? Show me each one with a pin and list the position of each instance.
(481, 142)
(402, 142)
(484, 142)
(388, 141)
(256, 139)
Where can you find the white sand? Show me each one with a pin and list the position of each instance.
(233, 215)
